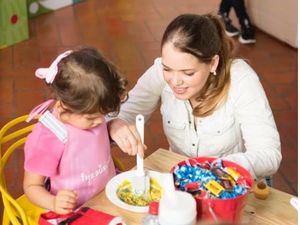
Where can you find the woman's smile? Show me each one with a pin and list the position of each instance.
(180, 90)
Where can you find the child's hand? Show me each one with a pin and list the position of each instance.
(65, 201)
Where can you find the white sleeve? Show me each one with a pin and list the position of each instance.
(259, 132)
(145, 96)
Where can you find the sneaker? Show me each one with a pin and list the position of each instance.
(247, 34)
(230, 30)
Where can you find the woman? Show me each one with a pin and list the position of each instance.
(211, 104)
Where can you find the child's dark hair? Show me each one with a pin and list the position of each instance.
(86, 82)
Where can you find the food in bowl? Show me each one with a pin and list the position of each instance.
(126, 194)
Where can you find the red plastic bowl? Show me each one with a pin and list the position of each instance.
(229, 210)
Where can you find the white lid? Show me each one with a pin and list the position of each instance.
(179, 211)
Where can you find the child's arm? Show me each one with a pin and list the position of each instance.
(64, 202)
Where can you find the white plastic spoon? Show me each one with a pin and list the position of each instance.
(141, 181)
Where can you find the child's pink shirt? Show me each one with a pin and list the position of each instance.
(81, 163)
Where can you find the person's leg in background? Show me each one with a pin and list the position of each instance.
(247, 35)
(224, 10)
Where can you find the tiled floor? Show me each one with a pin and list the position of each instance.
(129, 33)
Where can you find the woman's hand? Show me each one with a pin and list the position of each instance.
(126, 137)
(64, 202)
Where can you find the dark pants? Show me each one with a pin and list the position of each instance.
(239, 8)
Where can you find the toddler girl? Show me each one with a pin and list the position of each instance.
(70, 143)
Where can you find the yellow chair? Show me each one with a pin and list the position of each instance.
(19, 211)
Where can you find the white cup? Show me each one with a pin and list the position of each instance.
(178, 211)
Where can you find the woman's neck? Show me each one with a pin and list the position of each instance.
(193, 102)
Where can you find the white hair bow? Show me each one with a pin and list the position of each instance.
(49, 73)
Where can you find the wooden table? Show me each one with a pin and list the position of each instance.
(276, 209)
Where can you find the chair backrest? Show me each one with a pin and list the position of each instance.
(12, 137)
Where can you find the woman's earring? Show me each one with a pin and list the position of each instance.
(213, 73)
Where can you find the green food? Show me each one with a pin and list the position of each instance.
(125, 193)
